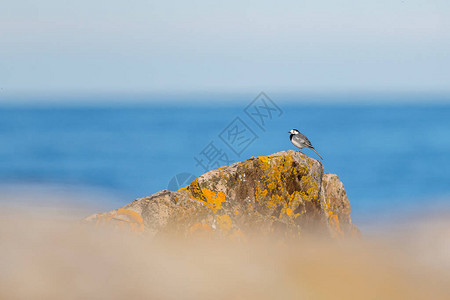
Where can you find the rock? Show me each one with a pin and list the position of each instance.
(284, 194)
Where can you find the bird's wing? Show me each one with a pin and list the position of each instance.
(307, 142)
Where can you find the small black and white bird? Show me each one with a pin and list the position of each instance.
(301, 141)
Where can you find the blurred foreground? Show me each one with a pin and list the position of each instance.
(43, 257)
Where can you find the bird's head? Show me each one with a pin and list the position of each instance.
(294, 131)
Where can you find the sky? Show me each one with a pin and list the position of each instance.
(54, 47)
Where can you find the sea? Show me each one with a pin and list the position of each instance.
(393, 158)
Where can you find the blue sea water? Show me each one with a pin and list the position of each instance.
(389, 157)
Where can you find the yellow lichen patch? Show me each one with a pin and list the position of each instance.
(224, 222)
(183, 188)
(196, 191)
(274, 182)
(272, 185)
(259, 195)
(312, 191)
(214, 200)
(131, 214)
(136, 222)
(294, 199)
(274, 201)
(201, 230)
(264, 159)
(272, 191)
(236, 212)
(334, 224)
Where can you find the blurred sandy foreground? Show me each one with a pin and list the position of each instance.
(44, 257)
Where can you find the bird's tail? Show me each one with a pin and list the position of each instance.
(317, 153)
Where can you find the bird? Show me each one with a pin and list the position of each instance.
(300, 141)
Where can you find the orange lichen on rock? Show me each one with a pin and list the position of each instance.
(183, 189)
(274, 201)
(264, 159)
(131, 214)
(196, 191)
(213, 200)
(333, 220)
(312, 191)
(276, 170)
(136, 222)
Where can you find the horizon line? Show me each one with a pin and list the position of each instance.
(205, 97)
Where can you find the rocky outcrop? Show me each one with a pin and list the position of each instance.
(285, 194)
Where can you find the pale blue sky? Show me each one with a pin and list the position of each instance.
(136, 46)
